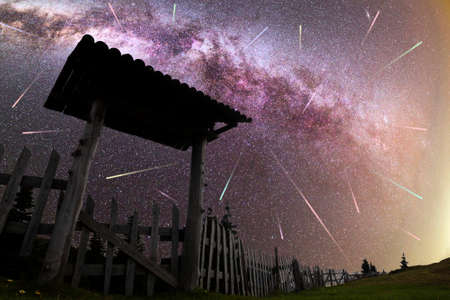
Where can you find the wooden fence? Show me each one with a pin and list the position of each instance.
(226, 265)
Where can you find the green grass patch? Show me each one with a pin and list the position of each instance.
(419, 282)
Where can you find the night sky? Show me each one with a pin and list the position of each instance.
(332, 116)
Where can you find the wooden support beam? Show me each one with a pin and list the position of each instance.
(131, 264)
(82, 248)
(154, 239)
(110, 249)
(191, 255)
(57, 252)
(34, 182)
(203, 268)
(7, 201)
(41, 201)
(175, 240)
(128, 250)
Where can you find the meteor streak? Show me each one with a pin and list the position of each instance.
(140, 171)
(309, 102)
(400, 186)
(173, 14)
(231, 176)
(115, 16)
(257, 37)
(168, 197)
(353, 196)
(16, 29)
(310, 207)
(26, 90)
(403, 54)
(41, 131)
(300, 36)
(413, 128)
(370, 27)
(412, 235)
(279, 226)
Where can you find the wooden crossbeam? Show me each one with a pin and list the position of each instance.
(109, 236)
(34, 181)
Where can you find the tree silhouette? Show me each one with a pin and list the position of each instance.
(365, 267)
(21, 211)
(404, 263)
(226, 222)
(373, 269)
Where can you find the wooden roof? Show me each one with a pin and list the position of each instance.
(140, 101)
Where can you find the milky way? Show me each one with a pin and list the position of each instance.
(333, 120)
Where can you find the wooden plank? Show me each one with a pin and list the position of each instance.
(212, 244)
(277, 271)
(241, 268)
(34, 182)
(7, 201)
(151, 279)
(258, 272)
(232, 259)
(218, 255)
(83, 246)
(33, 226)
(59, 202)
(2, 152)
(110, 250)
(59, 246)
(253, 272)
(131, 264)
(297, 275)
(266, 274)
(203, 268)
(175, 240)
(191, 250)
(225, 258)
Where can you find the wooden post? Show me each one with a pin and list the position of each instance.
(2, 151)
(297, 276)
(83, 246)
(218, 255)
(59, 202)
(7, 201)
(204, 269)
(191, 255)
(61, 239)
(212, 244)
(241, 268)
(277, 271)
(110, 249)
(151, 279)
(225, 258)
(232, 259)
(175, 240)
(33, 226)
(131, 265)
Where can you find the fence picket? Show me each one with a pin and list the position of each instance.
(175, 240)
(154, 239)
(212, 244)
(226, 280)
(232, 259)
(33, 226)
(110, 249)
(219, 250)
(7, 201)
(241, 268)
(131, 265)
(83, 245)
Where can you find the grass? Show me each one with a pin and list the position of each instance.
(418, 282)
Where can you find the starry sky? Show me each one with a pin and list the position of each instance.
(343, 129)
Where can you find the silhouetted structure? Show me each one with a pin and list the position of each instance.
(105, 88)
(365, 267)
(403, 262)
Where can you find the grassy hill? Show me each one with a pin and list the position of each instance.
(418, 282)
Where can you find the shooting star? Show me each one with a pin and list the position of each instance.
(309, 102)
(370, 27)
(413, 128)
(353, 195)
(403, 54)
(26, 90)
(16, 29)
(367, 13)
(41, 131)
(401, 186)
(140, 171)
(174, 10)
(300, 36)
(168, 197)
(279, 226)
(310, 207)
(412, 235)
(115, 16)
(257, 37)
(231, 176)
